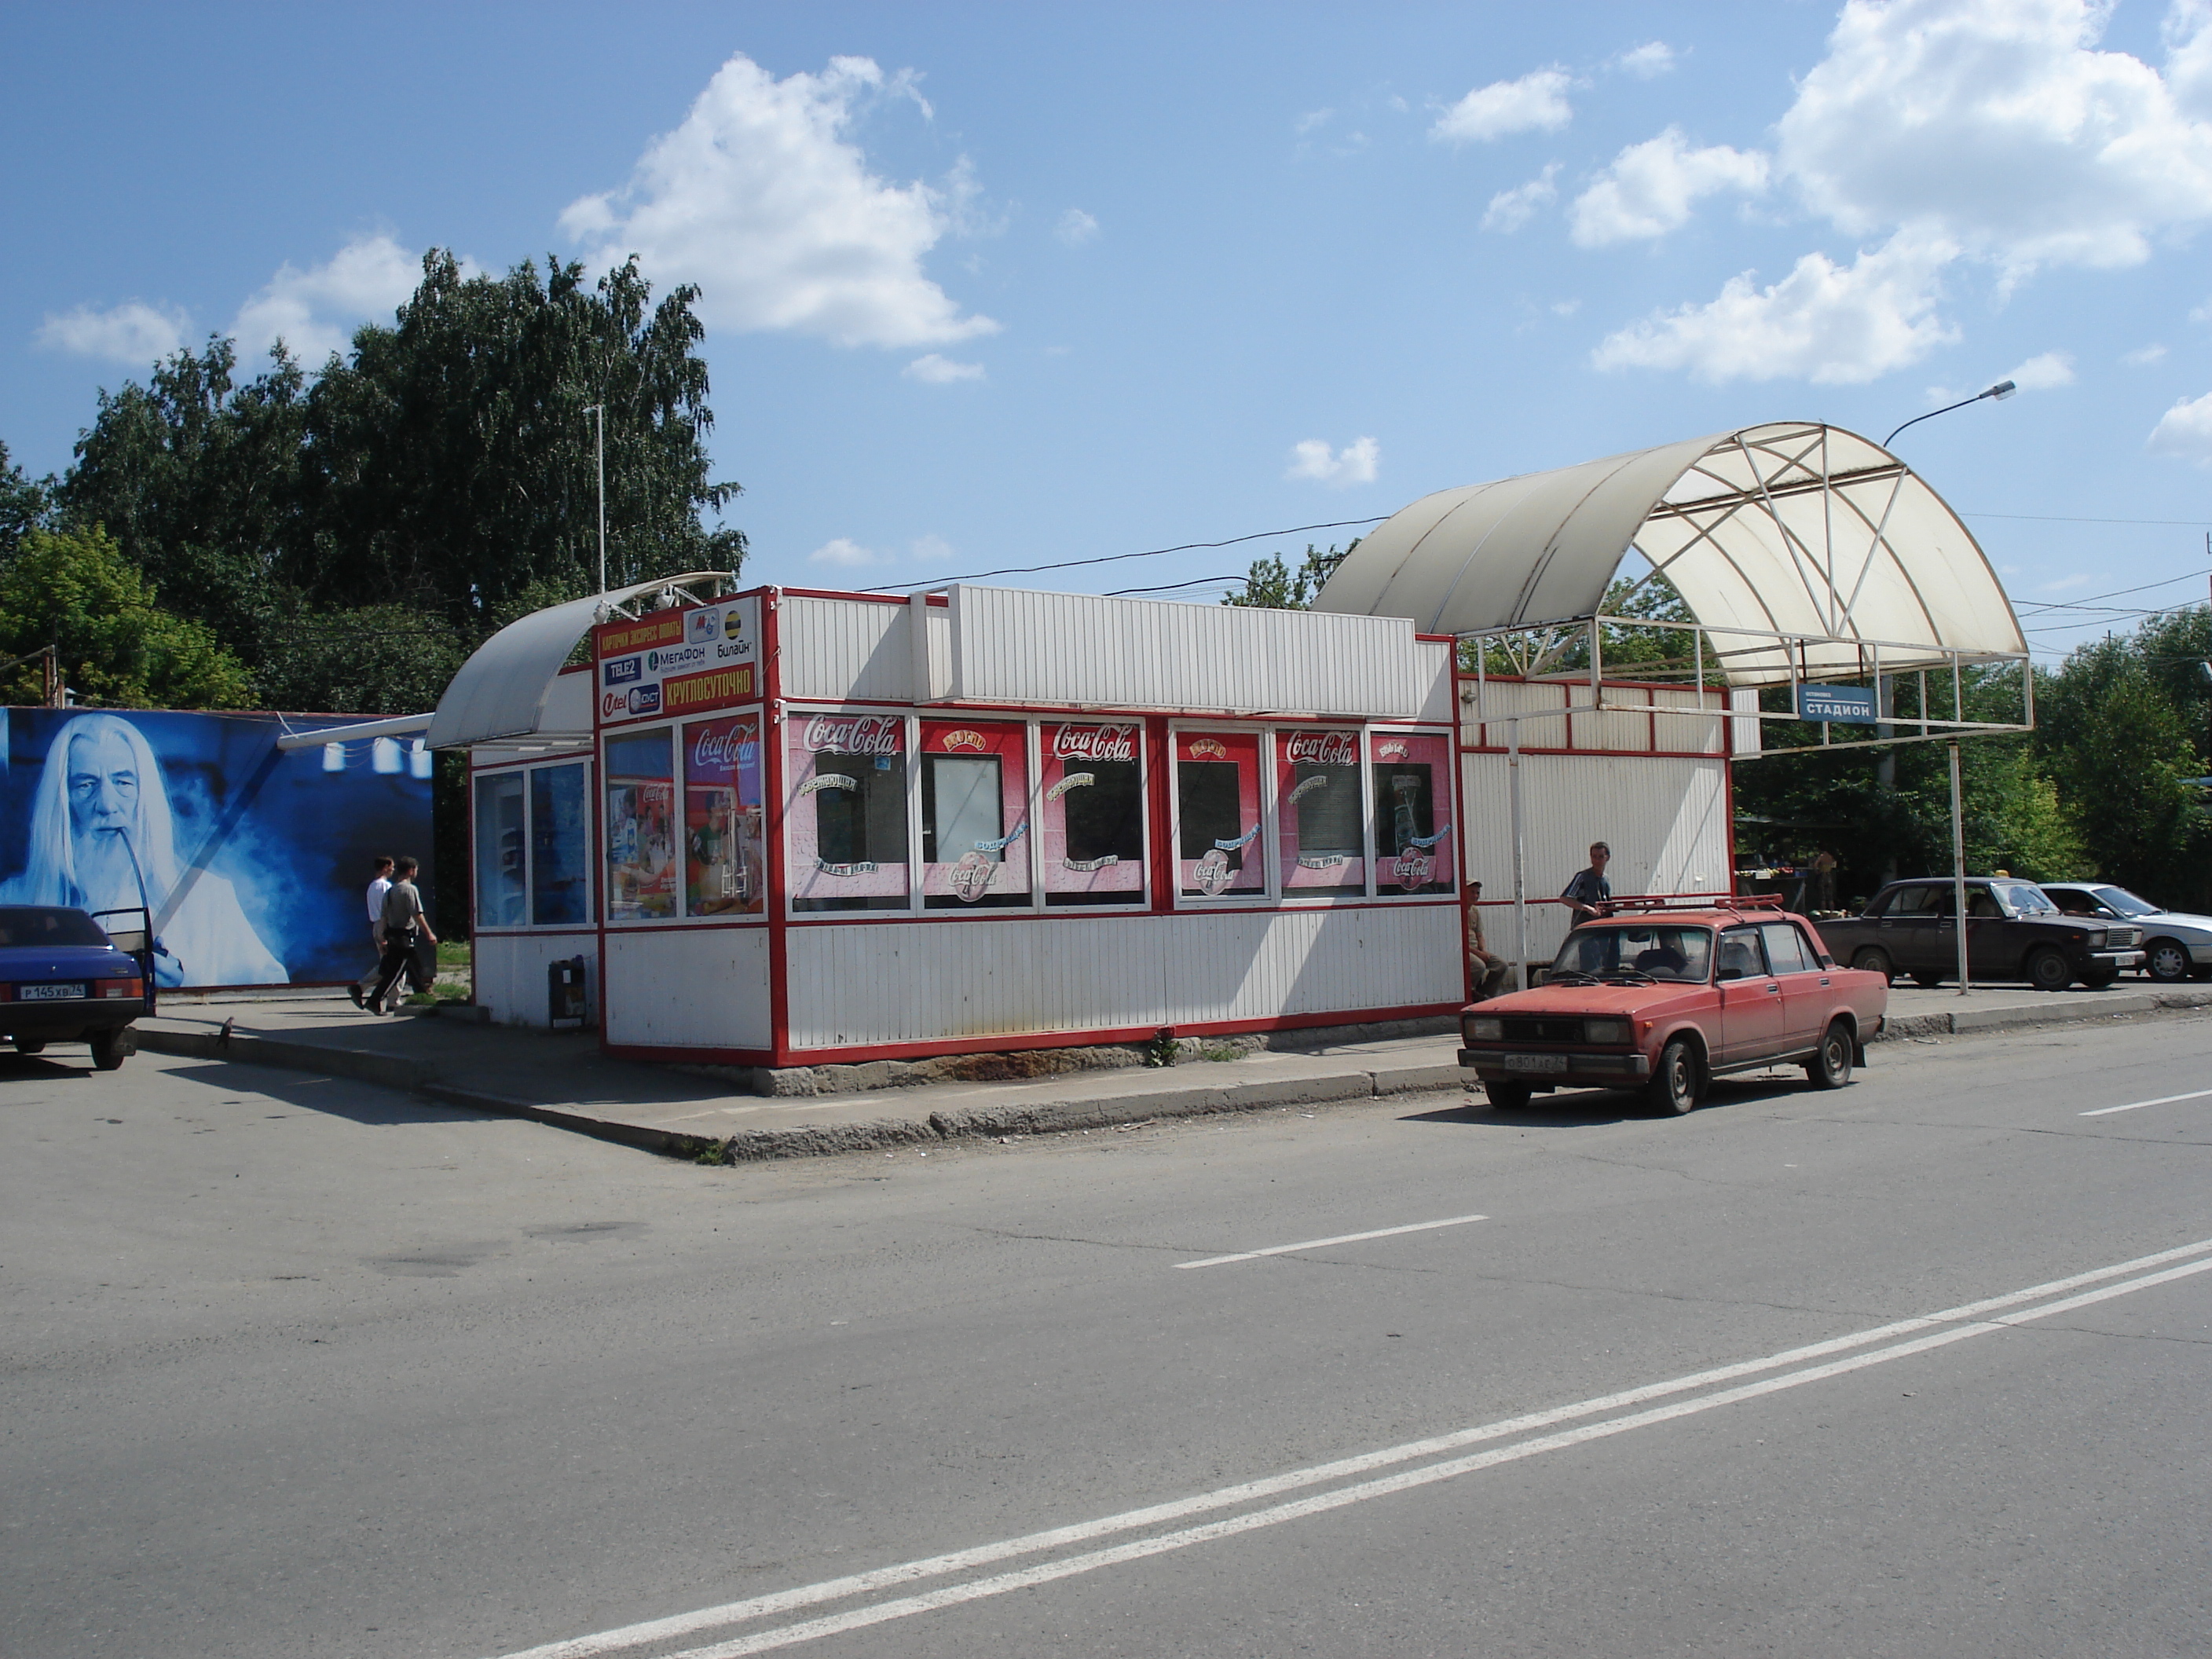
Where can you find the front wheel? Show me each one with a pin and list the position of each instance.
(30, 1045)
(1831, 1065)
(1874, 960)
(2048, 971)
(1674, 1086)
(110, 1048)
(1928, 982)
(2167, 960)
(1507, 1096)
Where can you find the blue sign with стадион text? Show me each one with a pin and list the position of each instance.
(1853, 704)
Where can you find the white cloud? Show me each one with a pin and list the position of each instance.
(1565, 307)
(315, 311)
(1355, 464)
(1509, 209)
(132, 332)
(1535, 102)
(1312, 118)
(2186, 430)
(2143, 356)
(934, 370)
(1826, 323)
(2068, 584)
(761, 199)
(1075, 228)
(845, 552)
(2043, 371)
(1652, 187)
(2187, 32)
(1647, 62)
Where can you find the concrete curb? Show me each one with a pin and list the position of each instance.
(393, 1071)
(1968, 1021)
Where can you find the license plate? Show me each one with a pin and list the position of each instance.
(1535, 1062)
(48, 992)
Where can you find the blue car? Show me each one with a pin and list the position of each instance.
(63, 979)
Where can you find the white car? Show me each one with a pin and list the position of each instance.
(2176, 944)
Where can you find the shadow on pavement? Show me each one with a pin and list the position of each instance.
(1586, 1109)
(366, 1103)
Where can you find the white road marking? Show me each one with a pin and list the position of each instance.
(1322, 1243)
(938, 1566)
(2138, 1105)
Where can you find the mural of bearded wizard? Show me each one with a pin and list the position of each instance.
(100, 826)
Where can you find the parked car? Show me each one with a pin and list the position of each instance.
(2176, 944)
(2013, 932)
(63, 979)
(1664, 999)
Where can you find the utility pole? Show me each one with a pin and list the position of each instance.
(600, 411)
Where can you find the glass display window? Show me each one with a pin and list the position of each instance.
(560, 846)
(1091, 816)
(641, 825)
(975, 815)
(1217, 824)
(503, 874)
(1321, 819)
(1413, 813)
(724, 856)
(846, 812)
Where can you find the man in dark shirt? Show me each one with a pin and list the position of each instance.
(1587, 894)
(404, 925)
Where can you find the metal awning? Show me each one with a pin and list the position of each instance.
(1811, 538)
(500, 691)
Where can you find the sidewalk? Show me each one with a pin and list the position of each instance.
(561, 1078)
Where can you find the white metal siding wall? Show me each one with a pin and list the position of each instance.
(688, 989)
(1432, 666)
(833, 649)
(866, 986)
(1017, 645)
(510, 970)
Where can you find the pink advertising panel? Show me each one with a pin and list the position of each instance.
(1217, 849)
(846, 812)
(1413, 813)
(1092, 823)
(1320, 833)
(975, 815)
(724, 862)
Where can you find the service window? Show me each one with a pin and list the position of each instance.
(974, 816)
(1320, 831)
(1091, 820)
(1413, 813)
(1217, 816)
(559, 843)
(501, 841)
(725, 860)
(847, 811)
(640, 768)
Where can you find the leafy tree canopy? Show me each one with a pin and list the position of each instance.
(24, 504)
(1270, 584)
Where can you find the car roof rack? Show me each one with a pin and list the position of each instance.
(1700, 902)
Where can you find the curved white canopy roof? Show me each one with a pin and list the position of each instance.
(1793, 528)
(502, 689)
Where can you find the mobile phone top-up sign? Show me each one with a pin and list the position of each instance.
(678, 662)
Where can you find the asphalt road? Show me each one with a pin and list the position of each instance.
(298, 1367)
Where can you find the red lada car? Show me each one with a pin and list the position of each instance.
(1663, 1000)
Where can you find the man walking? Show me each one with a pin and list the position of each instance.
(1485, 971)
(1588, 893)
(379, 883)
(404, 927)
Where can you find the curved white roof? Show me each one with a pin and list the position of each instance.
(1793, 528)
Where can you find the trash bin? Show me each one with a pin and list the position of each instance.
(564, 993)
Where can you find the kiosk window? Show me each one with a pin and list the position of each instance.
(975, 816)
(724, 862)
(1217, 814)
(640, 826)
(559, 838)
(1413, 813)
(501, 843)
(1322, 821)
(847, 815)
(1091, 818)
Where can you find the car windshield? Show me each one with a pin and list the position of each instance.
(2024, 898)
(42, 924)
(2125, 901)
(1635, 950)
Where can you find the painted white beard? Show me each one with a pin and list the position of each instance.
(104, 872)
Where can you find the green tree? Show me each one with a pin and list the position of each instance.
(1270, 584)
(118, 647)
(24, 504)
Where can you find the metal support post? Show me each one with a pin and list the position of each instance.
(1959, 866)
(1520, 865)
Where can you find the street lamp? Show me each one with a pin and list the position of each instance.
(2001, 389)
(600, 411)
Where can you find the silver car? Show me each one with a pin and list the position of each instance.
(2176, 944)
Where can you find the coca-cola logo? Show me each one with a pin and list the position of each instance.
(965, 739)
(1322, 747)
(1208, 749)
(1391, 751)
(855, 734)
(720, 749)
(1095, 743)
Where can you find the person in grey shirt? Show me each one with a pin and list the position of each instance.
(404, 927)
(1587, 894)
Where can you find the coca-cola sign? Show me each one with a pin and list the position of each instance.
(1322, 747)
(855, 734)
(718, 750)
(1095, 743)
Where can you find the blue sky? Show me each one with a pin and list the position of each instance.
(997, 286)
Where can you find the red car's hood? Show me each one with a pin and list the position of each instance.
(1554, 999)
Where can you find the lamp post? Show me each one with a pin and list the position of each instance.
(2001, 391)
(600, 410)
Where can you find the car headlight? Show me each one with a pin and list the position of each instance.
(1479, 1030)
(2096, 938)
(1605, 1031)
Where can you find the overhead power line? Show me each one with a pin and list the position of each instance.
(1114, 558)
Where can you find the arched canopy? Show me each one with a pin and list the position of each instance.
(500, 691)
(1793, 528)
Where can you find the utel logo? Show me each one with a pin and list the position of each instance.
(638, 699)
(624, 671)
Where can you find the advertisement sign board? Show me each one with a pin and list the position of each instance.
(253, 862)
(679, 662)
